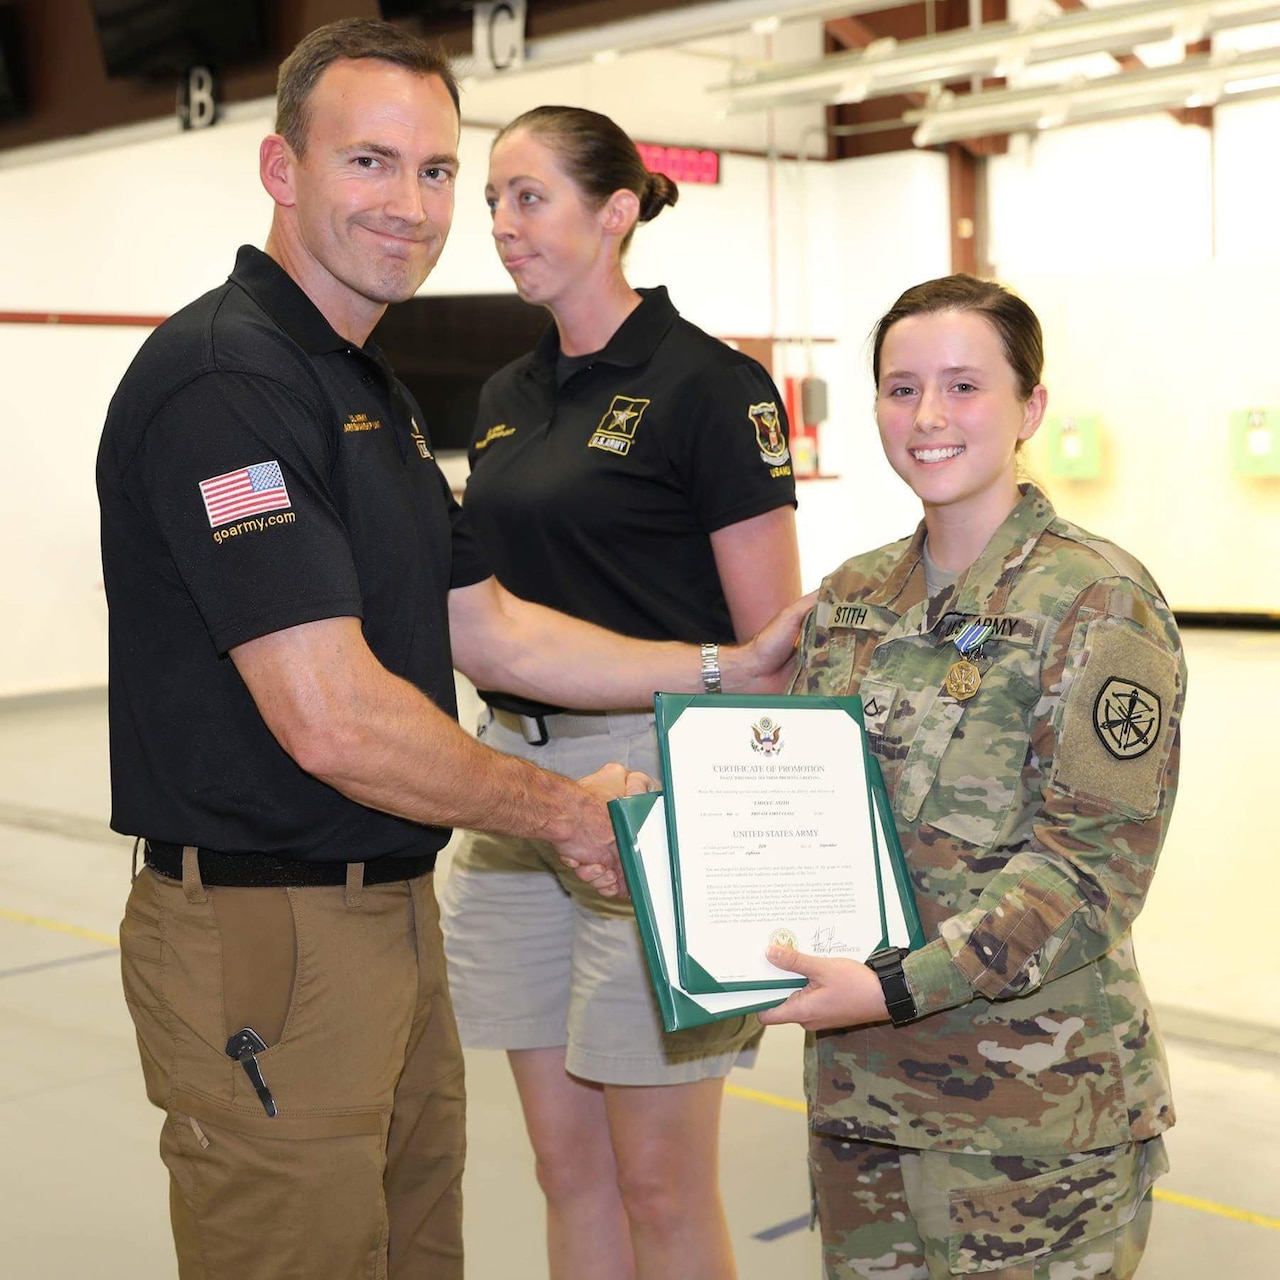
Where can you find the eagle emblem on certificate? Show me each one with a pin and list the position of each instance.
(766, 736)
(769, 434)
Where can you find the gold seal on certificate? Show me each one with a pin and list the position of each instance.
(783, 938)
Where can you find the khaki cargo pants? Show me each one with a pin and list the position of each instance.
(928, 1215)
(359, 1174)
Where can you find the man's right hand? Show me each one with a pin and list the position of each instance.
(591, 850)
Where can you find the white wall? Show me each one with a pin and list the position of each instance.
(878, 226)
(1148, 250)
(1148, 254)
(137, 229)
(1206, 939)
(665, 95)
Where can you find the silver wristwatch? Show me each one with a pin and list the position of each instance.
(711, 668)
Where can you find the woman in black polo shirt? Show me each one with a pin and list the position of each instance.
(632, 471)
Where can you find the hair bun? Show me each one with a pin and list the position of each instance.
(659, 191)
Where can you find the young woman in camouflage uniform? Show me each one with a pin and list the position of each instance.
(1007, 1121)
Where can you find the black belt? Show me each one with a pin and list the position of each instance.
(530, 718)
(261, 870)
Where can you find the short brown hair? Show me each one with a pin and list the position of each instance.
(598, 157)
(348, 38)
(1012, 319)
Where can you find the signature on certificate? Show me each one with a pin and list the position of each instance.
(825, 942)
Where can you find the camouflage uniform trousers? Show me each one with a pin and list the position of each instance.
(895, 1213)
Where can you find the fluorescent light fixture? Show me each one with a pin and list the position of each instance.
(1191, 26)
(854, 91)
(1255, 84)
(993, 48)
(1200, 80)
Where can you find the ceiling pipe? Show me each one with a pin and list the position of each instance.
(675, 26)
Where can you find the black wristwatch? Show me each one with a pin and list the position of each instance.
(886, 964)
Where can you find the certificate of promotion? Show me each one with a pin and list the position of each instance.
(775, 816)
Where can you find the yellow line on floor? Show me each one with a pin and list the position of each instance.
(1169, 1197)
(769, 1099)
(56, 926)
(733, 1090)
(1218, 1210)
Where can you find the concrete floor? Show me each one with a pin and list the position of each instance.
(83, 1193)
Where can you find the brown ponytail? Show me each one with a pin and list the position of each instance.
(659, 191)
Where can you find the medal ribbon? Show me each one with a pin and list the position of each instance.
(972, 638)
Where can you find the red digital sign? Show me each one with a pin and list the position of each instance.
(681, 164)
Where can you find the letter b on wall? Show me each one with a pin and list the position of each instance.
(197, 99)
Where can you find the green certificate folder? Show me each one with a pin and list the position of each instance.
(779, 830)
(639, 822)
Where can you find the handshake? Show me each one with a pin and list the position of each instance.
(590, 849)
(574, 816)
(579, 824)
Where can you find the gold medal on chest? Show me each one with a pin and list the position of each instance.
(962, 680)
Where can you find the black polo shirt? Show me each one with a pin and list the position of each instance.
(257, 471)
(597, 497)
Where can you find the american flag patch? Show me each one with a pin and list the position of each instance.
(244, 493)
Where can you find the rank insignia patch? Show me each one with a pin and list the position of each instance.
(1126, 717)
(617, 428)
(420, 440)
(773, 444)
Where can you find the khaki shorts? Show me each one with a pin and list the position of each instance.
(538, 960)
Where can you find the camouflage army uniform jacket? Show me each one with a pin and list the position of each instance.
(1031, 817)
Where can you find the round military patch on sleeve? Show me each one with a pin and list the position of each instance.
(768, 425)
(1126, 717)
(1115, 732)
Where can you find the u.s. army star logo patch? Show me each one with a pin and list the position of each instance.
(617, 428)
(1127, 718)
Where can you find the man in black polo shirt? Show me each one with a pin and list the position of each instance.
(290, 584)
